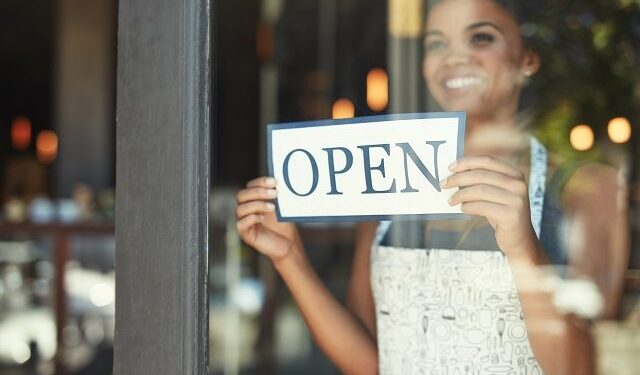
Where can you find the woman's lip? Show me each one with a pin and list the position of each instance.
(462, 82)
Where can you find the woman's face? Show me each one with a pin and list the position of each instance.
(474, 58)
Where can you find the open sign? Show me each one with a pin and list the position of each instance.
(368, 168)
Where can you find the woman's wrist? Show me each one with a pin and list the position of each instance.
(527, 252)
(294, 258)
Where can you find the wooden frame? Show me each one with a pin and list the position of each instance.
(162, 187)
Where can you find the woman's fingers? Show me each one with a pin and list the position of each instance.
(257, 224)
(248, 221)
(496, 191)
(256, 193)
(483, 192)
(492, 211)
(486, 177)
(254, 198)
(267, 182)
(266, 241)
(254, 207)
(486, 162)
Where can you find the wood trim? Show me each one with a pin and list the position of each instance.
(162, 185)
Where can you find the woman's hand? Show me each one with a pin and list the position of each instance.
(257, 223)
(497, 191)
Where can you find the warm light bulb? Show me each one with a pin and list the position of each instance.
(47, 146)
(343, 108)
(377, 89)
(21, 133)
(619, 130)
(581, 137)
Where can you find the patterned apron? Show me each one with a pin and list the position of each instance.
(453, 312)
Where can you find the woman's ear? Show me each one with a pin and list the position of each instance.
(530, 63)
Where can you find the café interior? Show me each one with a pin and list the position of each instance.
(274, 61)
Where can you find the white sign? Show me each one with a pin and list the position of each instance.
(368, 168)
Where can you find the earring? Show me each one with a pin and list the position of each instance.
(528, 73)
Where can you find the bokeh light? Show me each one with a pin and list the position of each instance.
(20, 352)
(21, 133)
(377, 89)
(619, 130)
(102, 295)
(47, 146)
(343, 108)
(581, 137)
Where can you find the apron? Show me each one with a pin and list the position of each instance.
(453, 312)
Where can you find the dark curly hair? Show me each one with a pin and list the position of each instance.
(524, 12)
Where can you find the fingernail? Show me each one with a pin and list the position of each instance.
(271, 192)
(453, 165)
(271, 181)
(443, 182)
(450, 200)
(270, 206)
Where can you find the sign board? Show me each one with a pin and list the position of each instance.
(367, 168)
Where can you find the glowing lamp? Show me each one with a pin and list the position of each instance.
(619, 130)
(581, 137)
(343, 108)
(47, 146)
(377, 89)
(21, 133)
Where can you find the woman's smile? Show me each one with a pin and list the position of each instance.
(464, 82)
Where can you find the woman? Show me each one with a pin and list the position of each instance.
(453, 307)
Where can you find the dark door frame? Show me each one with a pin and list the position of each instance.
(162, 187)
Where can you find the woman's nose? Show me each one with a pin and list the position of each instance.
(457, 56)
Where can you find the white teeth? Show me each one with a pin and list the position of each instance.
(462, 82)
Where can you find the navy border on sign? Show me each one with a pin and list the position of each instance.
(462, 119)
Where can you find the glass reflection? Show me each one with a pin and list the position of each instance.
(557, 71)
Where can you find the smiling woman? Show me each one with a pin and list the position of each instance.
(519, 198)
(478, 65)
(464, 296)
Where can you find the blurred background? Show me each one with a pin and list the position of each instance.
(274, 61)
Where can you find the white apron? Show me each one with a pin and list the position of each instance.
(453, 312)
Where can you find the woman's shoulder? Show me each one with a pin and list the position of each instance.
(569, 181)
(592, 183)
(572, 185)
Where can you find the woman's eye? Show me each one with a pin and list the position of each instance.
(482, 38)
(434, 45)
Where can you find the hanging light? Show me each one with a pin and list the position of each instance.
(343, 108)
(581, 137)
(21, 133)
(619, 130)
(377, 89)
(264, 41)
(47, 146)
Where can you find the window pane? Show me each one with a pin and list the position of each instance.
(546, 257)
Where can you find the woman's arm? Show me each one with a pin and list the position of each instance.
(359, 296)
(498, 192)
(595, 201)
(340, 336)
(347, 344)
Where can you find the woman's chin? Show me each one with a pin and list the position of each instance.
(471, 106)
